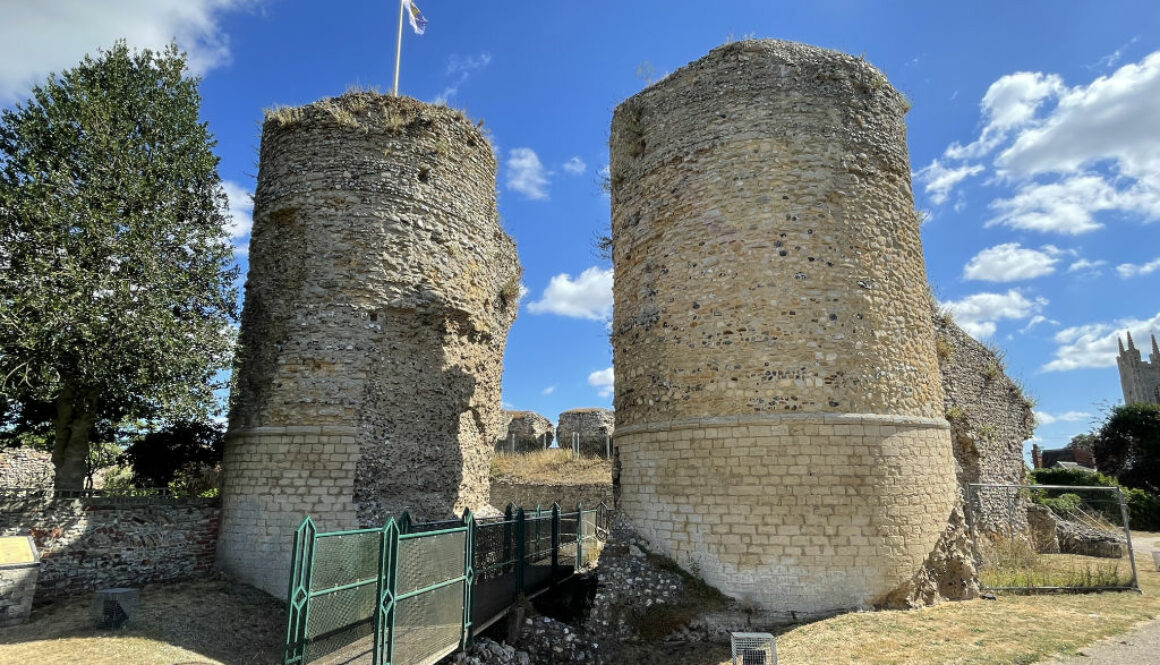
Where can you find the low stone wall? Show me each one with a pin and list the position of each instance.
(88, 544)
(25, 467)
(528, 496)
(17, 589)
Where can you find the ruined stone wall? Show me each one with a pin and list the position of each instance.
(595, 427)
(380, 292)
(526, 432)
(88, 544)
(990, 421)
(25, 468)
(529, 495)
(779, 412)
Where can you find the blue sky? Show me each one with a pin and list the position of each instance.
(1034, 139)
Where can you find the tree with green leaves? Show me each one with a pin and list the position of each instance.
(116, 296)
(1082, 441)
(1127, 446)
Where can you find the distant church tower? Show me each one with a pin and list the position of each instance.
(1139, 379)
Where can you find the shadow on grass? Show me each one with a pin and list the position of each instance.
(216, 619)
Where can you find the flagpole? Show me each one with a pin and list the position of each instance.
(398, 51)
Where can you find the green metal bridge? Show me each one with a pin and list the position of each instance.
(410, 594)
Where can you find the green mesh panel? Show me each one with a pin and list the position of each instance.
(427, 624)
(340, 620)
(430, 560)
(340, 560)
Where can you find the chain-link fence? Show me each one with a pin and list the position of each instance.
(411, 593)
(1051, 538)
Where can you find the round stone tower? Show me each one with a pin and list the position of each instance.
(778, 408)
(379, 297)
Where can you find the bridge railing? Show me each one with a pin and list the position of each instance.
(411, 593)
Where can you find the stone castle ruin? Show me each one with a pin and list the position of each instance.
(526, 431)
(593, 429)
(780, 422)
(380, 294)
(780, 393)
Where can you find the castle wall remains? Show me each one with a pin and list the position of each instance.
(779, 411)
(527, 431)
(595, 428)
(380, 292)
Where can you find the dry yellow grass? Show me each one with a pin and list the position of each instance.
(205, 622)
(1013, 630)
(551, 467)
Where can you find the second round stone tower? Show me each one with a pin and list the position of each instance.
(380, 293)
(778, 408)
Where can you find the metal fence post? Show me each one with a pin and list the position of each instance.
(1128, 536)
(384, 646)
(555, 541)
(579, 536)
(405, 522)
(298, 598)
(508, 516)
(469, 580)
(521, 550)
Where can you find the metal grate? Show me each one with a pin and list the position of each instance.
(343, 559)
(412, 593)
(428, 560)
(427, 623)
(753, 649)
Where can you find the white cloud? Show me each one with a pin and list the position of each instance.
(589, 296)
(938, 180)
(1045, 418)
(1128, 270)
(1009, 103)
(45, 36)
(1114, 57)
(1036, 320)
(1067, 206)
(549, 390)
(575, 166)
(460, 68)
(1072, 154)
(1094, 344)
(1116, 117)
(603, 381)
(1084, 265)
(1010, 262)
(978, 314)
(526, 174)
(241, 210)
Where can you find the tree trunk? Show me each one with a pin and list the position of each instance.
(75, 413)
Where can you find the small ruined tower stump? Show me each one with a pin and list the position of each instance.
(778, 407)
(380, 293)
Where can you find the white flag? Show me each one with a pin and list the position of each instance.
(418, 22)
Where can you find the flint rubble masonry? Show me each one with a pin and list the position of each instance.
(380, 293)
(595, 427)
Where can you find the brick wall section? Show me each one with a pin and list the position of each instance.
(276, 476)
(86, 544)
(528, 495)
(25, 468)
(779, 415)
(380, 292)
(595, 427)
